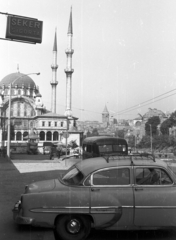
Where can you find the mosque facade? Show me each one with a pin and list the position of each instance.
(28, 114)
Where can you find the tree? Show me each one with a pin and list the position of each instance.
(145, 142)
(165, 127)
(88, 134)
(131, 141)
(121, 133)
(94, 132)
(168, 123)
(152, 123)
(173, 118)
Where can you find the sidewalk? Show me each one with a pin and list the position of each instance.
(40, 163)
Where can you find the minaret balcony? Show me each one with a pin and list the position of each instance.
(69, 51)
(69, 70)
(54, 66)
(54, 83)
(39, 107)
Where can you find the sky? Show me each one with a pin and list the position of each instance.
(124, 54)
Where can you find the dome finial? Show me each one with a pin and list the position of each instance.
(18, 67)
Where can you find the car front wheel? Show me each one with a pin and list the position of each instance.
(73, 227)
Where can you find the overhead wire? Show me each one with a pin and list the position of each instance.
(143, 104)
(140, 105)
(119, 113)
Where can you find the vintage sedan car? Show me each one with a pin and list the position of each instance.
(112, 193)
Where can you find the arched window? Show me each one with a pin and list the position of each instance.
(24, 135)
(55, 136)
(32, 112)
(18, 136)
(4, 136)
(42, 136)
(48, 136)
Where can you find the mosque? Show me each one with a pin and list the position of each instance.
(27, 114)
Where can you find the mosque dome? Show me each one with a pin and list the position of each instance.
(154, 112)
(18, 79)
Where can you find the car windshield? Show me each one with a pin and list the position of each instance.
(171, 170)
(73, 177)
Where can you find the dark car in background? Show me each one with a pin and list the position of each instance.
(104, 145)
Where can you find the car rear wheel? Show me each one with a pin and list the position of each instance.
(73, 227)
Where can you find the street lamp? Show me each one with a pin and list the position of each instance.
(150, 136)
(9, 115)
(67, 134)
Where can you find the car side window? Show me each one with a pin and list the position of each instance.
(110, 177)
(89, 148)
(152, 176)
(121, 148)
(87, 182)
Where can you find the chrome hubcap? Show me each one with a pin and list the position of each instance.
(73, 226)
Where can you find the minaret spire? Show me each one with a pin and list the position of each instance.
(55, 42)
(54, 81)
(69, 52)
(70, 26)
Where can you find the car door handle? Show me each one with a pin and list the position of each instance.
(138, 189)
(95, 189)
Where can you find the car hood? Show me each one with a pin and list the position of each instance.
(44, 186)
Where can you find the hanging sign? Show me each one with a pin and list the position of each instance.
(25, 29)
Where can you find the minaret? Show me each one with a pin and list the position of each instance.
(69, 51)
(54, 81)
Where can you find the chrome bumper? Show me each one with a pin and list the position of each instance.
(17, 215)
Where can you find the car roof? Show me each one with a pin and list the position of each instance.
(93, 164)
(103, 140)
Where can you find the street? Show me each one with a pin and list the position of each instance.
(12, 184)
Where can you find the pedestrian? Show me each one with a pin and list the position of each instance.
(51, 152)
(59, 151)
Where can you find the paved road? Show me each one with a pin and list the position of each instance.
(12, 183)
